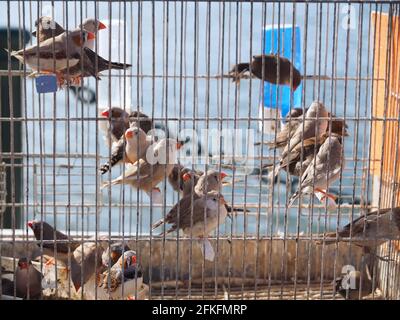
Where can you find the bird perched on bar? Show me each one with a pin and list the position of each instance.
(212, 181)
(293, 121)
(209, 211)
(208, 201)
(297, 161)
(128, 150)
(322, 171)
(44, 231)
(269, 65)
(354, 285)
(54, 55)
(87, 66)
(314, 126)
(28, 280)
(305, 142)
(369, 231)
(125, 270)
(119, 120)
(147, 174)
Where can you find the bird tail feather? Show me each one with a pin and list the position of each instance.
(119, 65)
(241, 67)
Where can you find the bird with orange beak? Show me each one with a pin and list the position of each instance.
(55, 54)
(128, 150)
(211, 181)
(91, 63)
(199, 218)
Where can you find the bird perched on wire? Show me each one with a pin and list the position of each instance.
(91, 63)
(322, 171)
(120, 120)
(293, 121)
(55, 55)
(268, 67)
(297, 161)
(314, 126)
(28, 280)
(208, 213)
(146, 174)
(369, 231)
(44, 231)
(306, 135)
(128, 150)
(212, 181)
(46, 28)
(125, 270)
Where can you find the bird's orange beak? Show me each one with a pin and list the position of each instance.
(30, 224)
(102, 25)
(186, 177)
(105, 113)
(222, 200)
(91, 36)
(128, 134)
(222, 175)
(179, 145)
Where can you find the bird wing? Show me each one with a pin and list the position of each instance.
(46, 49)
(328, 160)
(357, 225)
(141, 169)
(183, 207)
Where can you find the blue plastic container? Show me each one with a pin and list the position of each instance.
(46, 83)
(271, 91)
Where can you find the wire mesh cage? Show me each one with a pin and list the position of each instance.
(291, 106)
